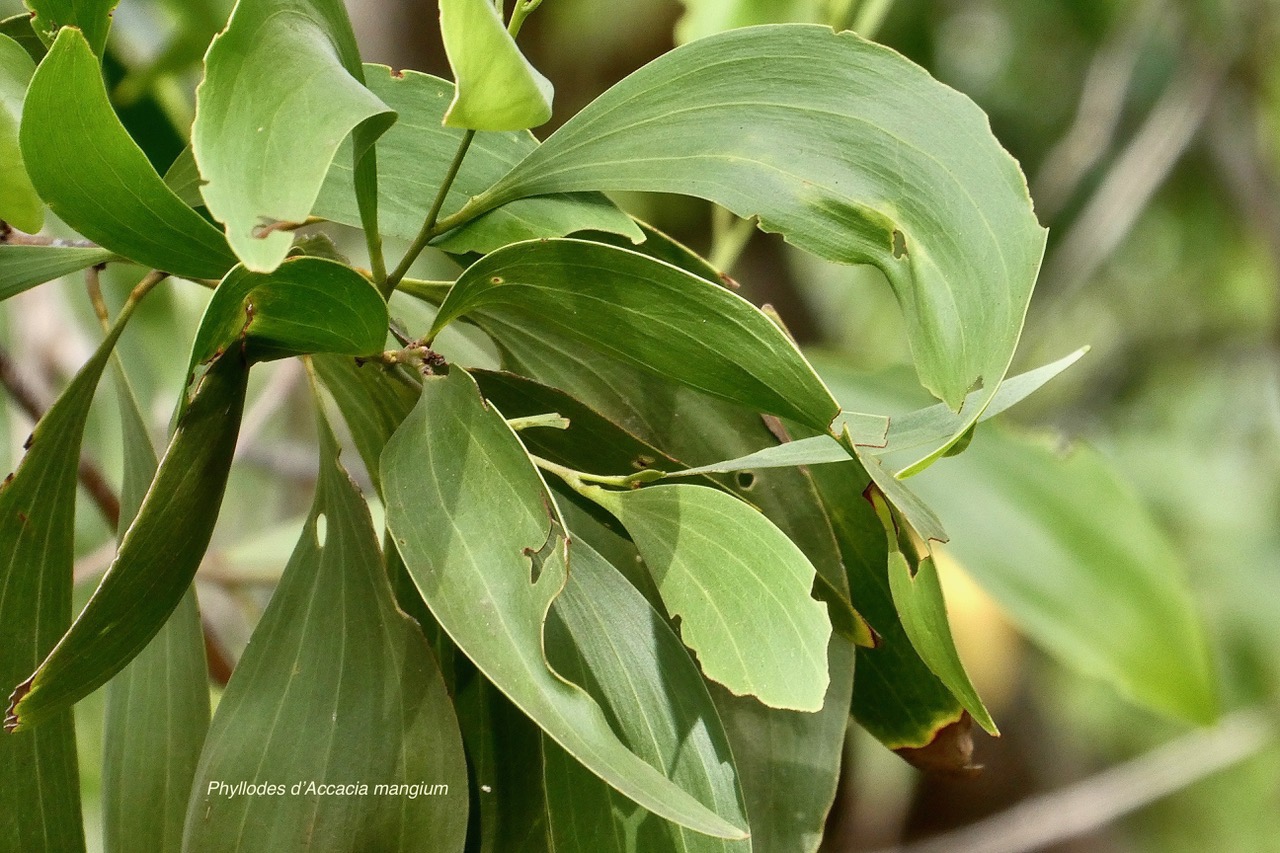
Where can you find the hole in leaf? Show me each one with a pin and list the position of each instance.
(322, 529)
(745, 480)
(899, 244)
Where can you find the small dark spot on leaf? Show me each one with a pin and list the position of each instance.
(26, 445)
(899, 244)
(22, 516)
(729, 281)
(745, 480)
(642, 462)
(497, 279)
(399, 75)
(7, 480)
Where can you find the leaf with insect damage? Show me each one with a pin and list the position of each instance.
(481, 538)
(95, 177)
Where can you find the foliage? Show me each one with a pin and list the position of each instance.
(610, 594)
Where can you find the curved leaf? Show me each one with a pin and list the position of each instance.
(337, 687)
(497, 87)
(739, 586)
(896, 697)
(23, 267)
(603, 635)
(308, 305)
(646, 313)
(20, 205)
(158, 555)
(91, 17)
(98, 181)
(415, 154)
(157, 707)
(40, 797)
(264, 156)
(485, 546)
(851, 151)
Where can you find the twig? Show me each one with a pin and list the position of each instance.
(1093, 803)
(12, 237)
(431, 227)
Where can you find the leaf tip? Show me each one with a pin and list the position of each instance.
(12, 723)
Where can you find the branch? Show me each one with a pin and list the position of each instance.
(1092, 803)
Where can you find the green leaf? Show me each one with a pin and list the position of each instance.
(40, 795)
(646, 313)
(851, 151)
(768, 744)
(416, 153)
(98, 181)
(739, 586)
(896, 697)
(264, 157)
(308, 305)
(603, 635)
(454, 473)
(814, 450)
(374, 401)
(158, 555)
(790, 762)
(20, 205)
(497, 87)
(1073, 557)
(90, 17)
(19, 29)
(918, 598)
(339, 687)
(938, 424)
(505, 749)
(157, 707)
(23, 267)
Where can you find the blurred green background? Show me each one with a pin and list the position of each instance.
(1150, 135)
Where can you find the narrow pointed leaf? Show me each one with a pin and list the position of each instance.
(481, 539)
(918, 598)
(497, 87)
(644, 312)
(896, 697)
(40, 794)
(23, 267)
(308, 305)
(603, 635)
(158, 555)
(938, 424)
(91, 17)
(415, 154)
(20, 205)
(157, 707)
(264, 157)
(337, 687)
(815, 450)
(739, 586)
(850, 151)
(98, 181)
(1076, 561)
